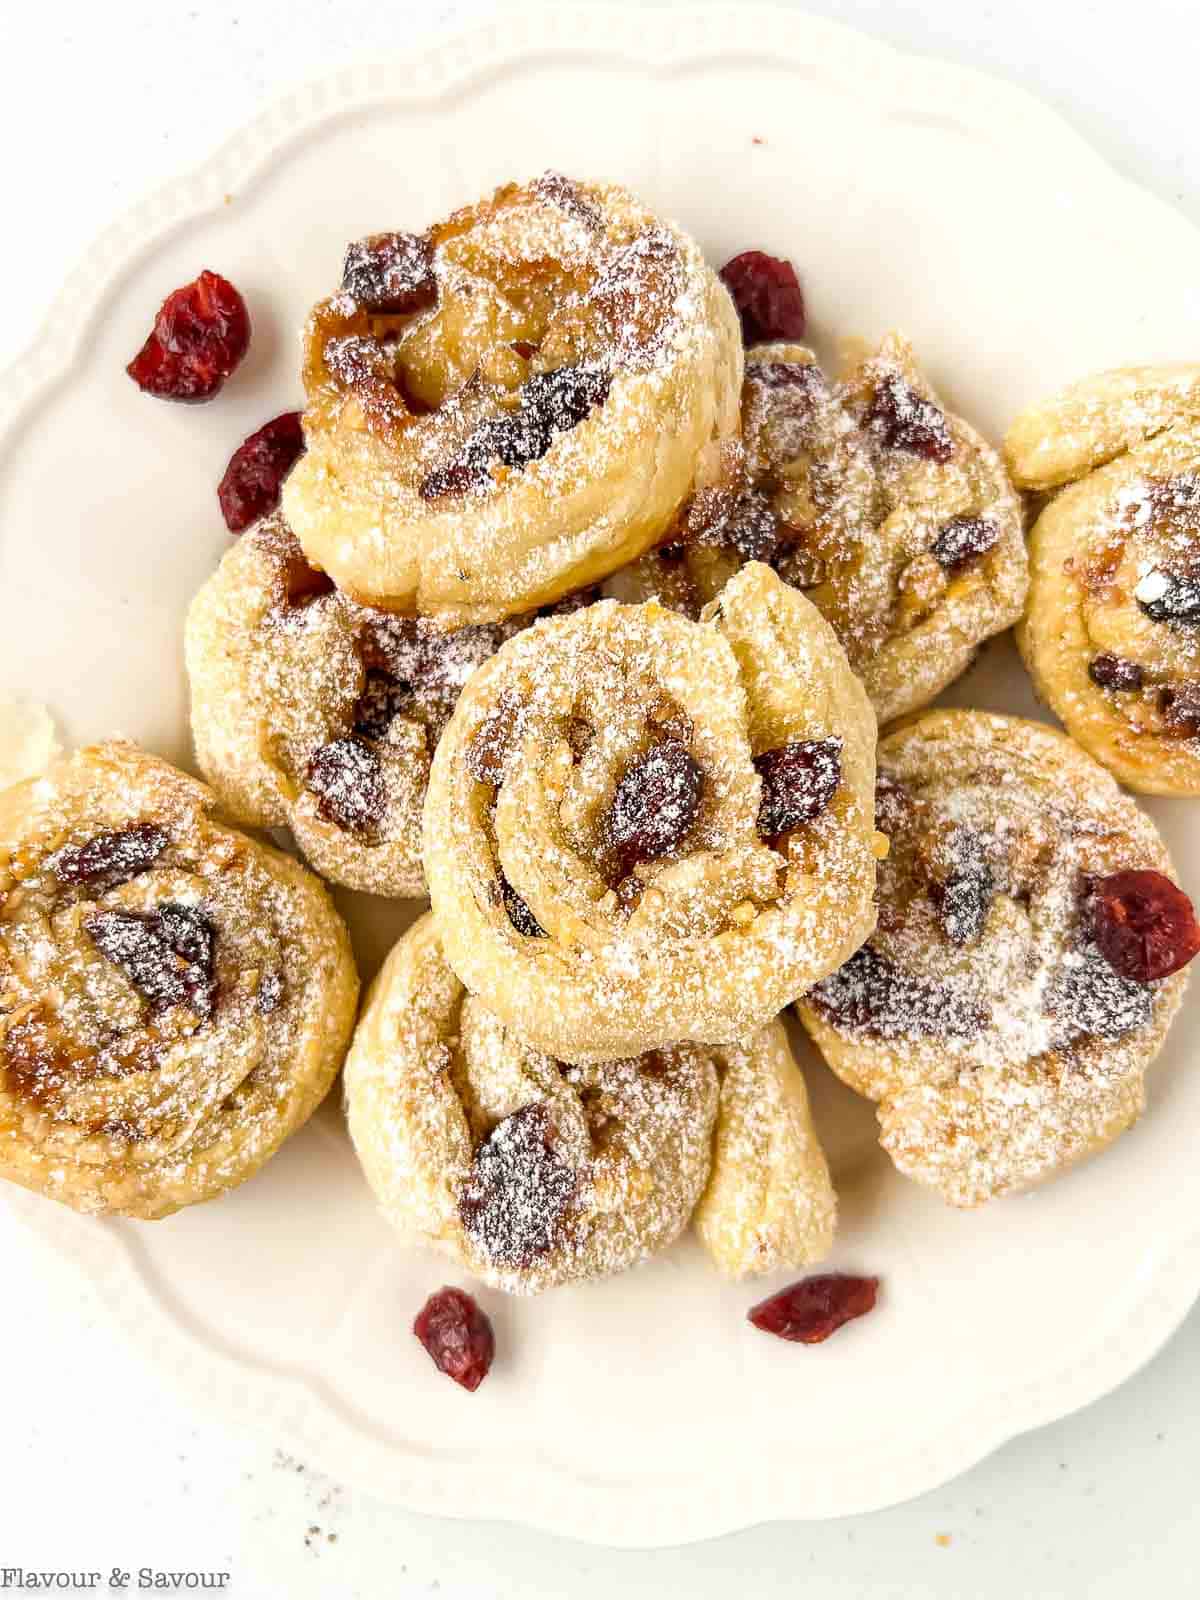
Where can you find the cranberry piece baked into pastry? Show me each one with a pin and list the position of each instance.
(642, 829)
(1027, 962)
(175, 998)
(529, 1172)
(513, 403)
(1112, 636)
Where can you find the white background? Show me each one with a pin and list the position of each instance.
(100, 1466)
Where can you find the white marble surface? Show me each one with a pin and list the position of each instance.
(102, 1468)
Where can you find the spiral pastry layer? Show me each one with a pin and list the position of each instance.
(1026, 964)
(1112, 635)
(642, 829)
(891, 514)
(175, 998)
(512, 404)
(313, 712)
(532, 1173)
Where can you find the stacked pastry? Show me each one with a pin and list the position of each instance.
(583, 617)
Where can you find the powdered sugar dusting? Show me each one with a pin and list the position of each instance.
(312, 710)
(704, 928)
(1002, 1018)
(531, 1173)
(1113, 633)
(490, 441)
(140, 1072)
(892, 515)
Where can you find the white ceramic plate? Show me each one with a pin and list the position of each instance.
(644, 1410)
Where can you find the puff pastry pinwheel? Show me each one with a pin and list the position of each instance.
(512, 404)
(1027, 962)
(1112, 635)
(311, 710)
(175, 998)
(893, 516)
(642, 829)
(532, 1173)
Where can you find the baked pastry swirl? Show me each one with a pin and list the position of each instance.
(531, 1173)
(642, 829)
(512, 404)
(175, 998)
(1112, 636)
(1025, 967)
(893, 516)
(315, 712)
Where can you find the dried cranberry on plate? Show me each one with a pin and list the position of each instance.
(809, 1311)
(254, 477)
(767, 294)
(199, 337)
(457, 1335)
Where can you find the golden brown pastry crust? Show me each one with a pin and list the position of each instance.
(176, 998)
(1000, 1044)
(894, 517)
(709, 937)
(404, 496)
(1112, 634)
(319, 714)
(531, 1173)
(769, 1204)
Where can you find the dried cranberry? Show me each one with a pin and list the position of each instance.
(798, 782)
(518, 913)
(347, 779)
(870, 994)
(457, 1335)
(1114, 672)
(1089, 1000)
(1179, 601)
(457, 477)
(390, 274)
(551, 402)
(906, 421)
(562, 399)
(805, 376)
(809, 1311)
(270, 994)
(417, 667)
(190, 934)
(964, 896)
(767, 295)
(893, 804)
(518, 1193)
(1173, 504)
(167, 954)
(1143, 923)
(962, 539)
(752, 528)
(1180, 708)
(569, 197)
(487, 752)
(252, 481)
(380, 703)
(201, 333)
(109, 859)
(653, 807)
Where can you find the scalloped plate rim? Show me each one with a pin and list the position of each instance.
(678, 1509)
